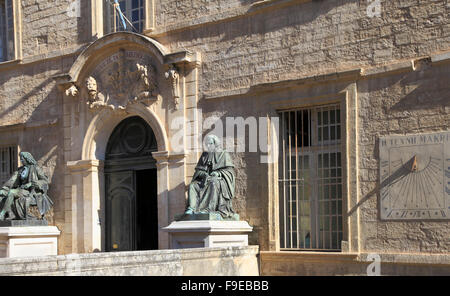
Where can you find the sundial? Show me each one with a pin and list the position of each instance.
(415, 177)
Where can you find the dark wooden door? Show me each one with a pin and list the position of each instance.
(130, 187)
(120, 211)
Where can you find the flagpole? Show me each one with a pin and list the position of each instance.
(114, 18)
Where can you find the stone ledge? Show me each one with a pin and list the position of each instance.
(394, 258)
(416, 259)
(156, 262)
(216, 226)
(345, 74)
(304, 256)
(5, 65)
(399, 67)
(31, 124)
(15, 231)
(441, 57)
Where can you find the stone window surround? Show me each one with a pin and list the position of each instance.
(347, 99)
(17, 11)
(312, 150)
(97, 17)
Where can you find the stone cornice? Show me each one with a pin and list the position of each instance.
(84, 165)
(31, 124)
(166, 157)
(354, 74)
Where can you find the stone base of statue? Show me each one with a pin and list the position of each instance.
(24, 238)
(207, 231)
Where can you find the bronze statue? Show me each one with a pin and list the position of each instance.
(27, 187)
(213, 183)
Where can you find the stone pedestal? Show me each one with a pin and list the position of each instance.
(24, 241)
(207, 233)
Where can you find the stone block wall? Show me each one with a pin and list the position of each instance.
(293, 39)
(54, 25)
(245, 44)
(362, 264)
(288, 40)
(406, 103)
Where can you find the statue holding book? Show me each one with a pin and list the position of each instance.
(213, 183)
(26, 188)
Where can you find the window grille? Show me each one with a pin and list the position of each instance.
(133, 10)
(6, 31)
(310, 179)
(8, 163)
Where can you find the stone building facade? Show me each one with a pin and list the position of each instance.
(374, 69)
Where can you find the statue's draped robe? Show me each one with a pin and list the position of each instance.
(36, 195)
(215, 194)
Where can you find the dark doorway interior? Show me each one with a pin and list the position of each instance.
(146, 210)
(131, 210)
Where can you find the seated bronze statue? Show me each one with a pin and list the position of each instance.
(27, 187)
(213, 183)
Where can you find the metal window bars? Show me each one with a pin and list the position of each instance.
(310, 179)
(8, 163)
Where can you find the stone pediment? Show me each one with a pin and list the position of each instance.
(125, 68)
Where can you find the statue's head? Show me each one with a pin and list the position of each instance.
(212, 143)
(27, 158)
(91, 85)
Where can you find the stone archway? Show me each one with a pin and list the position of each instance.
(118, 76)
(93, 156)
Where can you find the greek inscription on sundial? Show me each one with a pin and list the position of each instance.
(415, 177)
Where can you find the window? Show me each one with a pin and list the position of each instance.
(310, 179)
(8, 163)
(6, 31)
(133, 10)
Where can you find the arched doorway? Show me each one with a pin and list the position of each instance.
(131, 187)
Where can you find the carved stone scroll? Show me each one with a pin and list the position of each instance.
(173, 75)
(72, 91)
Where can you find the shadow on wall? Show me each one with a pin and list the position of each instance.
(24, 100)
(420, 90)
(427, 91)
(299, 14)
(260, 24)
